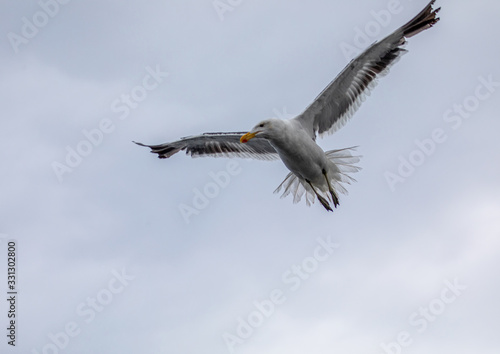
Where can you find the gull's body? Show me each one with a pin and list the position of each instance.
(313, 172)
(305, 163)
(309, 163)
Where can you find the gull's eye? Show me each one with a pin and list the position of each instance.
(261, 125)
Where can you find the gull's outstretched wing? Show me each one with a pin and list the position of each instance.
(217, 145)
(340, 99)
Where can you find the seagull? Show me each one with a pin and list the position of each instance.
(313, 172)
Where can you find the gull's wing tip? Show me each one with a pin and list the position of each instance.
(426, 19)
(154, 149)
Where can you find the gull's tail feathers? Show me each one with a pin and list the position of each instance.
(343, 165)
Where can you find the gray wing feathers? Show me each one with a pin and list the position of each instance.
(343, 96)
(217, 145)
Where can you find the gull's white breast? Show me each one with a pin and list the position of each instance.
(300, 153)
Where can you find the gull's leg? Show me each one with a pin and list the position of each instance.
(323, 201)
(332, 191)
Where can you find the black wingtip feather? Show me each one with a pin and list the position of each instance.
(424, 20)
(164, 151)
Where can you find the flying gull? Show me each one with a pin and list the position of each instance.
(313, 172)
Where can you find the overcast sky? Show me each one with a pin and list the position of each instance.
(120, 252)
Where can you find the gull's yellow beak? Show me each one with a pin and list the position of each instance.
(247, 136)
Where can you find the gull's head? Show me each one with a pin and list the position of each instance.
(264, 129)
